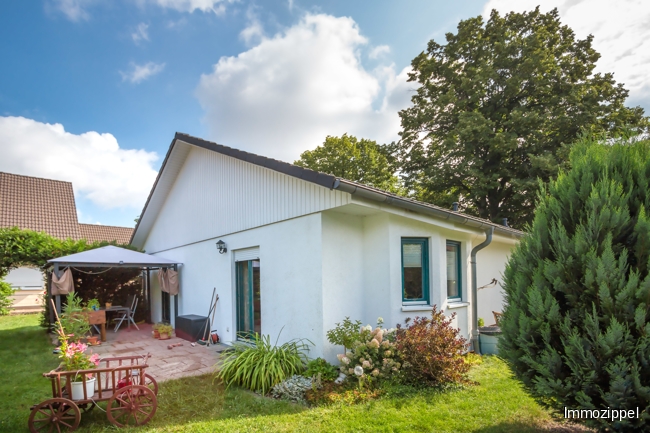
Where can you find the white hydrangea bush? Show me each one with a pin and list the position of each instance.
(373, 355)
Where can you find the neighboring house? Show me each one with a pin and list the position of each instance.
(306, 249)
(48, 206)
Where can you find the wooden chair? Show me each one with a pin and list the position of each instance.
(497, 317)
(132, 303)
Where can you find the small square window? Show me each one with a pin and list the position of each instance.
(415, 270)
(454, 283)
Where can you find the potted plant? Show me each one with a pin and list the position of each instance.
(165, 331)
(74, 322)
(93, 304)
(156, 332)
(74, 358)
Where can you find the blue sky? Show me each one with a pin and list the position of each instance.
(92, 91)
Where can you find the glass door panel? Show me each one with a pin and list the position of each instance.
(249, 315)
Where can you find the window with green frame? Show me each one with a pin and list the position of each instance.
(415, 270)
(454, 272)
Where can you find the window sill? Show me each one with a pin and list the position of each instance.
(416, 307)
(457, 304)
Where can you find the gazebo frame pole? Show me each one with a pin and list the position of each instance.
(148, 289)
(48, 295)
(58, 297)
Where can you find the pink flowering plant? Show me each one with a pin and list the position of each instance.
(372, 355)
(74, 357)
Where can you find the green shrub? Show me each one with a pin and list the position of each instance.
(5, 297)
(345, 333)
(576, 326)
(258, 365)
(432, 350)
(319, 366)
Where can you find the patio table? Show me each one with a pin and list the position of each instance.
(118, 308)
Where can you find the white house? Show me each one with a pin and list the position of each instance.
(306, 249)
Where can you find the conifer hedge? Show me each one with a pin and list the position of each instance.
(576, 326)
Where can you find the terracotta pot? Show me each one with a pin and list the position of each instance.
(164, 336)
(109, 304)
(156, 334)
(93, 340)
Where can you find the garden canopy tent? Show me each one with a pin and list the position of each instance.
(113, 257)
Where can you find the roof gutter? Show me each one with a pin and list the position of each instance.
(476, 249)
(359, 191)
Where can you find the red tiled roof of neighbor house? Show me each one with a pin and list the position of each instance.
(96, 232)
(47, 205)
(42, 205)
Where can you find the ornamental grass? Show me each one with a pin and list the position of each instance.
(258, 365)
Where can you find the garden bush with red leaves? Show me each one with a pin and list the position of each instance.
(432, 350)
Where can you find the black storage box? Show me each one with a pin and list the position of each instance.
(190, 327)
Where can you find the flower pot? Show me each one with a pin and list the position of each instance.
(109, 304)
(78, 389)
(164, 336)
(156, 334)
(489, 340)
(93, 341)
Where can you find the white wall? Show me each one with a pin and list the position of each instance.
(343, 273)
(362, 274)
(290, 279)
(25, 278)
(214, 195)
(491, 263)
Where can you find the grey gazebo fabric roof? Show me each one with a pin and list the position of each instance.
(111, 256)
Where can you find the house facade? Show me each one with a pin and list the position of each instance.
(306, 249)
(44, 205)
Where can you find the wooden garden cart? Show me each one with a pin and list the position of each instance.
(121, 381)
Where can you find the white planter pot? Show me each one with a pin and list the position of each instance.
(78, 389)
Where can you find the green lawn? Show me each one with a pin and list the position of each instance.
(198, 404)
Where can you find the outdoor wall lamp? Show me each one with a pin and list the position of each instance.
(221, 247)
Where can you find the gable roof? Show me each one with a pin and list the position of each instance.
(173, 161)
(47, 205)
(43, 205)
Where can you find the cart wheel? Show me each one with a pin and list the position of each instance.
(131, 406)
(151, 383)
(54, 415)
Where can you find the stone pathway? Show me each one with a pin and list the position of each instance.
(164, 364)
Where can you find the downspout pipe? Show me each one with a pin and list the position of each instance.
(488, 240)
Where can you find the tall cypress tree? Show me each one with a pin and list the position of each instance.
(576, 327)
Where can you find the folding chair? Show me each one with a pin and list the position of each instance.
(132, 302)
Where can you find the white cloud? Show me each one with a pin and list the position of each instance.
(620, 29)
(253, 33)
(98, 168)
(140, 73)
(176, 24)
(75, 10)
(141, 33)
(379, 51)
(286, 94)
(216, 6)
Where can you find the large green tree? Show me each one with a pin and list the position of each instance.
(362, 161)
(497, 108)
